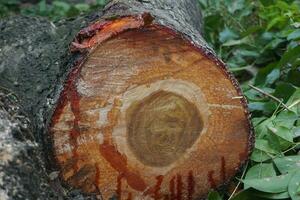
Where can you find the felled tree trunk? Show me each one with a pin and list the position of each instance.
(137, 106)
(34, 61)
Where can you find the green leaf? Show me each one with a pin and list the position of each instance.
(288, 163)
(282, 132)
(236, 42)
(275, 21)
(203, 4)
(266, 107)
(82, 7)
(251, 30)
(293, 76)
(289, 57)
(248, 53)
(282, 195)
(61, 6)
(294, 102)
(267, 2)
(256, 121)
(259, 156)
(245, 195)
(294, 186)
(275, 184)
(236, 5)
(294, 35)
(296, 132)
(296, 24)
(227, 34)
(284, 91)
(251, 194)
(261, 170)
(286, 119)
(273, 44)
(42, 7)
(260, 78)
(278, 143)
(273, 76)
(101, 2)
(213, 195)
(262, 129)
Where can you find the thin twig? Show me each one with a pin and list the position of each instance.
(270, 96)
(292, 148)
(238, 185)
(238, 97)
(294, 103)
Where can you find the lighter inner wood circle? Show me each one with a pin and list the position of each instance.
(161, 127)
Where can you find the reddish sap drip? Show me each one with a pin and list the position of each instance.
(97, 176)
(119, 163)
(211, 179)
(223, 169)
(115, 158)
(70, 94)
(59, 109)
(172, 188)
(191, 185)
(157, 187)
(155, 190)
(179, 187)
(129, 196)
(119, 186)
(74, 99)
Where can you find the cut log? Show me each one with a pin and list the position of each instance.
(146, 111)
(149, 111)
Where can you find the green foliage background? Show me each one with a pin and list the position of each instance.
(55, 10)
(259, 40)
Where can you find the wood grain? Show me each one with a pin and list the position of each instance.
(150, 117)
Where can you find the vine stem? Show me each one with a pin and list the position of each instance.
(270, 96)
(239, 183)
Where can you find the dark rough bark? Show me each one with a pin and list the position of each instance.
(183, 16)
(34, 63)
(34, 60)
(21, 167)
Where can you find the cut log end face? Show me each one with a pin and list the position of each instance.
(148, 116)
